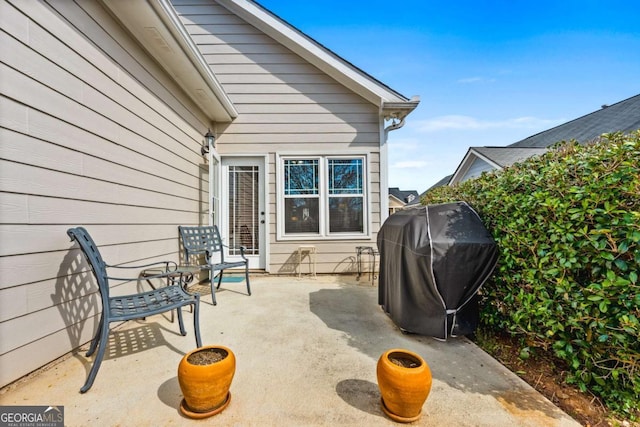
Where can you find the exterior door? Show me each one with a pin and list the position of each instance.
(243, 211)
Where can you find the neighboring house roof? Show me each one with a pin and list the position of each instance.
(444, 181)
(506, 156)
(158, 29)
(404, 196)
(486, 159)
(621, 116)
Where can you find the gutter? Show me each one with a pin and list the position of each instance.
(165, 10)
(397, 112)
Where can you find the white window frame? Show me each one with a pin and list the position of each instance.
(323, 233)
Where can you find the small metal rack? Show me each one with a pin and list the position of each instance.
(372, 253)
(310, 250)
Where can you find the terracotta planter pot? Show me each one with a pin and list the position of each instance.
(205, 383)
(404, 385)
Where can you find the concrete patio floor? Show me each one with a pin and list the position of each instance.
(306, 354)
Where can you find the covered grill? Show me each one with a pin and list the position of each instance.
(433, 261)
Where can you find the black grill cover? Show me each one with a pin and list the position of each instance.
(433, 261)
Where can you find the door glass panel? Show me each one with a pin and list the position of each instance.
(243, 210)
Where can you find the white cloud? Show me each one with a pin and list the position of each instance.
(476, 79)
(455, 122)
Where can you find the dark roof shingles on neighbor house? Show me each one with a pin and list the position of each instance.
(506, 156)
(403, 195)
(621, 116)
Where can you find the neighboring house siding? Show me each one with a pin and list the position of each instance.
(84, 142)
(286, 106)
(475, 170)
(395, 205)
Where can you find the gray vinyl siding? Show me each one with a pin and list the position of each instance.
(475, 170)
(286, 105)
(92, 133)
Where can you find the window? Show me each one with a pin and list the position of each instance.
(346, 195)
(323, 196)
(302, 196)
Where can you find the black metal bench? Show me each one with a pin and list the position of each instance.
(205, 240)
(134, 306)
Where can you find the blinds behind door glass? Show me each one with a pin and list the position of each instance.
(243, 210)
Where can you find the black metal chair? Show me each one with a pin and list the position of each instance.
(128, 307)
(206, 240)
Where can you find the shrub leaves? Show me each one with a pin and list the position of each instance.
(568, 227)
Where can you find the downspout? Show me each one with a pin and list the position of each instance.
(393, 126)
(384, 178)
(396, 111)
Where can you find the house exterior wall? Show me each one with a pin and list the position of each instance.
(395, 205)
(287, 106)
(475, 170)
(92, 133)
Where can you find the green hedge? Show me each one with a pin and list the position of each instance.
(568, 227)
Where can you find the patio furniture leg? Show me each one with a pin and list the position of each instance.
(96, 338)
(213, 288)
(246, 276)
(102, 346)
(220, 279)
(183, 331)
(196, 321)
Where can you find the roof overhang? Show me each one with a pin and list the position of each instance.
(392, 104)
(475, 153)
(401, 202)
(157, 27)
(399, 110)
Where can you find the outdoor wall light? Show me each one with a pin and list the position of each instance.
(209, 141)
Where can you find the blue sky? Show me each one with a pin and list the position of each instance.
(488, 73)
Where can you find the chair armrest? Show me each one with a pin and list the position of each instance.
(167, 264)
(242, 250)
(171, 274)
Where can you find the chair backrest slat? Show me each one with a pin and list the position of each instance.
(92, 254)
(199, 240)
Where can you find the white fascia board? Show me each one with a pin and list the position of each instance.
(398, 110)
(391, 196)
(316, 54)
(462, 168)
(158, 29)
(485, 158)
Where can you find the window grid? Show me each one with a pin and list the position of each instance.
(324, 196)
(345, 168)
(301, 177)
